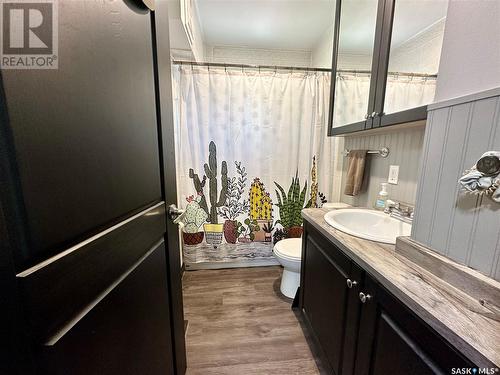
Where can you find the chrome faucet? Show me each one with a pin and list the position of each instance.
(399, 211)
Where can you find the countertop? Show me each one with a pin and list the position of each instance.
(462, 320)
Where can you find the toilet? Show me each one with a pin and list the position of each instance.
(288, 252)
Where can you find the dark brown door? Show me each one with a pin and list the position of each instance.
(87, 165)
(325, 296)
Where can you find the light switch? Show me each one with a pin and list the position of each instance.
(393, 174)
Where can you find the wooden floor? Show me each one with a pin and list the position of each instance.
(238, 323)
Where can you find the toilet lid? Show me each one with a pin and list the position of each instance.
(290, 248)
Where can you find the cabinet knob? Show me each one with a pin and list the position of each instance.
(374, 114)
(367, 116)
(364, 297)
(350, 283)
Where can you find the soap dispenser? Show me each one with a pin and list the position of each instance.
(382, 197)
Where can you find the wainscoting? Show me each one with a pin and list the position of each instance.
(465, 228)
(405, 150)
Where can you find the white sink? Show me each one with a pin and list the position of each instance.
(369, 224)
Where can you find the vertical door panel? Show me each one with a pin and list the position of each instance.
(164, 104)
(352, 320)
(325, 300)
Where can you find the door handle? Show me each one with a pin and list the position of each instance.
(364, 297)
(351, 283)
(173, 212)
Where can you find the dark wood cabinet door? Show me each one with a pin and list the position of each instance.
(355, 284)
(392, 340)
(325, 297)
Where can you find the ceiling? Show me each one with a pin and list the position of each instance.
(299, 24)
(284, 24)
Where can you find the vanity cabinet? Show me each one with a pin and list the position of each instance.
(328, 305)
(385, 62)
(359, 327)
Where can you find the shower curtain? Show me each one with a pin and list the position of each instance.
(268, 128)
(246, 138)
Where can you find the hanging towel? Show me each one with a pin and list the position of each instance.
(355, 170)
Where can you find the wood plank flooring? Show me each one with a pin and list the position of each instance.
(238, 323)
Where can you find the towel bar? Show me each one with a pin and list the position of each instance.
(383, 152)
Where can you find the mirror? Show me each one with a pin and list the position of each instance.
(356, 38)
(417, 37)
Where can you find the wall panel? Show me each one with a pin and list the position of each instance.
(465, 228)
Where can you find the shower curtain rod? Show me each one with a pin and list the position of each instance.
(246, 66)
(278, 67)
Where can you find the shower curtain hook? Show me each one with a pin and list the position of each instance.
(191, 66)
(225, 68)
(242, 68)
(275, 69)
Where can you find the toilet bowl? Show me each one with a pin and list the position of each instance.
(288, 252)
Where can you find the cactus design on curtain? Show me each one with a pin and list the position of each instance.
(290, 206)
(245, 220)
(261, 206)
(211, 174)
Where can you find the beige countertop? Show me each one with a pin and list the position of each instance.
(468, 325)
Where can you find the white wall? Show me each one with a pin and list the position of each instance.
(421, 53)
(323, 51)
(179, 42)
(198, 46)
(470, 59)
(257, 56)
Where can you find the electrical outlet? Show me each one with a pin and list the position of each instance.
(393, 174)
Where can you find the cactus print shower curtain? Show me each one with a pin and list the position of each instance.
(251, 151)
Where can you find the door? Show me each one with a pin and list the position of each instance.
(392, 340)
(87, 166)
(409, 60)
(358, 26)
(325, 296)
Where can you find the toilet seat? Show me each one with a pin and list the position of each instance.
(290, 248)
